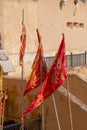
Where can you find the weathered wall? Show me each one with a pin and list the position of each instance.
(52, 22)
(12, 18)
(1, 21)
(77, 87)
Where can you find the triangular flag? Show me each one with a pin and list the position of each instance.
(39, 70)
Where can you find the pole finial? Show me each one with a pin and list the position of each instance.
(22, 16)
(63, 35)
(38, 35)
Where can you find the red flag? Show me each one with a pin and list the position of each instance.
(2, 104)
(55, 78)
(23, 44)
(39, 70)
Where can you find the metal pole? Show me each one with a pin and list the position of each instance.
(70, 111)
(42, 106)
(1, 91)
(22, 85)
(55, 107)
(71, 60)
(22, 78)
(85, 57)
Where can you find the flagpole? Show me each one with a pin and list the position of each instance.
(22, 78)
(69, 101)
(22, 85)
(55, 107)
(1, 91)
(42, 106)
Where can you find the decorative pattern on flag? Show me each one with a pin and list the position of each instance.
(39, 70)
(55, 78)
(23, 44)
(2, 103)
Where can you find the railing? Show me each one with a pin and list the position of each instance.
(72, 60)
(34, 124)
(15, 126)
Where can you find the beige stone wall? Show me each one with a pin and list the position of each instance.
(12, 19)
(12, 24)
(1, 21)
(52, 22)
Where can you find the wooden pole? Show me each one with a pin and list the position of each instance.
(55, 107)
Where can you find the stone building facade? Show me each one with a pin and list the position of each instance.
(52, 20)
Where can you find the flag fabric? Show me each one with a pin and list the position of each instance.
(23, 44)
(39, 70)
(54, 79)
(36, 57)
(2, 104)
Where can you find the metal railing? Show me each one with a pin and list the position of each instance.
(15, 126)
(72, 60)
(33, 124)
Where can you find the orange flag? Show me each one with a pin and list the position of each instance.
(23, 44)
(55, 78)
(39, 70)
